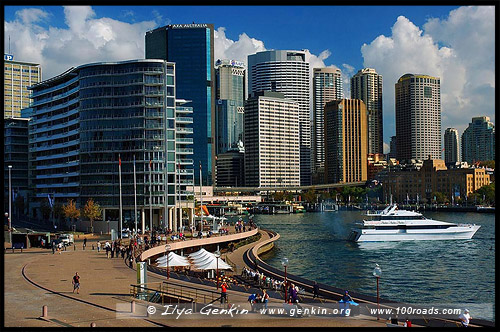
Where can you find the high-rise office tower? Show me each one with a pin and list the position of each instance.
(345, 141)
(451, 146)
(327, 85)
(18, 76)
(230, 83)
(92, 119)
(367, 86)
(478, 140)
(392, 148)
(272, 154)
(15, 150)
(418, 117)
(286, 72)
(191, 47)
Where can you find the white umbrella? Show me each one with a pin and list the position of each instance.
(212, 265)
(173, 260)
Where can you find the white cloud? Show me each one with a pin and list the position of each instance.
(458, 49)
(225, 48)
(85, 39)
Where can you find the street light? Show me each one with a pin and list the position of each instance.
(10, 206)
(167, 250)
(217, 255)
(377, 273)
(284, 262)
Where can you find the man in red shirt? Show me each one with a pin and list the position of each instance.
(223, 292)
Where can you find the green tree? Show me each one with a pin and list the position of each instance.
(487, 194)
(279, 196)
(92, 211)
(440, 197)
(310, 196)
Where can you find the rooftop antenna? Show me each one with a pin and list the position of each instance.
(9, 44)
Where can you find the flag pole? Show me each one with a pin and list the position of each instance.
(135, 199)
(120, 180)
(150, 198)
(201, 202)
(180, 197)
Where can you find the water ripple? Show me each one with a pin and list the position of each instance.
(415, 272)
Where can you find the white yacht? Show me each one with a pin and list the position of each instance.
(392, 224)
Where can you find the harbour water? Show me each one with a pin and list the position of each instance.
(456, 272)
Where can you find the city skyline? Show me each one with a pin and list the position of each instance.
(394, 40)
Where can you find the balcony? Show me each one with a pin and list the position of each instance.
(184, 140)
(184, 130)
(184, 120)
(185, 161)
(184, 150)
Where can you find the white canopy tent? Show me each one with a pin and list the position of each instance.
(173, 260)
(205, 260)
(213, 264)
(200, 253)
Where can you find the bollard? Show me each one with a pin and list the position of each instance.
(92, 247)
(74, 247)
(44, 312)
(93, 324)
(132, 307)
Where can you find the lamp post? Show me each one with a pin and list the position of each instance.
(377, 272)
(10, 205)
(217, 255)
(284, 262)
(167, 250)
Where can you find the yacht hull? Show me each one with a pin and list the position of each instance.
(454, 233)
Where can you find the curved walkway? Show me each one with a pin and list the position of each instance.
(105, 286)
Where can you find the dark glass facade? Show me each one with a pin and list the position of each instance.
(191, 47)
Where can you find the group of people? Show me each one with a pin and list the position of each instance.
(240, 226)
(262, 280)
(257, 300)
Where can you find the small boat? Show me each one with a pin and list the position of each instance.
(392, 224)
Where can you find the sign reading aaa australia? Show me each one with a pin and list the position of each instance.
(188, 26)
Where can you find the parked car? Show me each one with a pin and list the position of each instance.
(67, 239)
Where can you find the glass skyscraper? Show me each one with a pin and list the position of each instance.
(478, 140)
(230, 82)
(327, 86)
(191, 47)
(90, 120)
(367, 86)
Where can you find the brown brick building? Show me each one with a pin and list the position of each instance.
(433, 176)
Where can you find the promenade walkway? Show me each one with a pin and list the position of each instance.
(37, 277)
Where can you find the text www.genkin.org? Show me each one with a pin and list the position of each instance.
(234, 310)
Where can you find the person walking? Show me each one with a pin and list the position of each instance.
(265, 298)
(84, 243)
(251, 300)
(223, 293)
(53, 247)
(76, 283)
(98, 246)
(465, 318)
(315, 290)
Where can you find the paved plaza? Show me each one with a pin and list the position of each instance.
(36, 277)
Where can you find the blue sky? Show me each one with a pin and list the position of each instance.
(455, 43)
(280, 27)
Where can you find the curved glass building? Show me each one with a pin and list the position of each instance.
(93, 118)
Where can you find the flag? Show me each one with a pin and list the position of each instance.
(51, 201)
(150, 163)
(119, 161)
